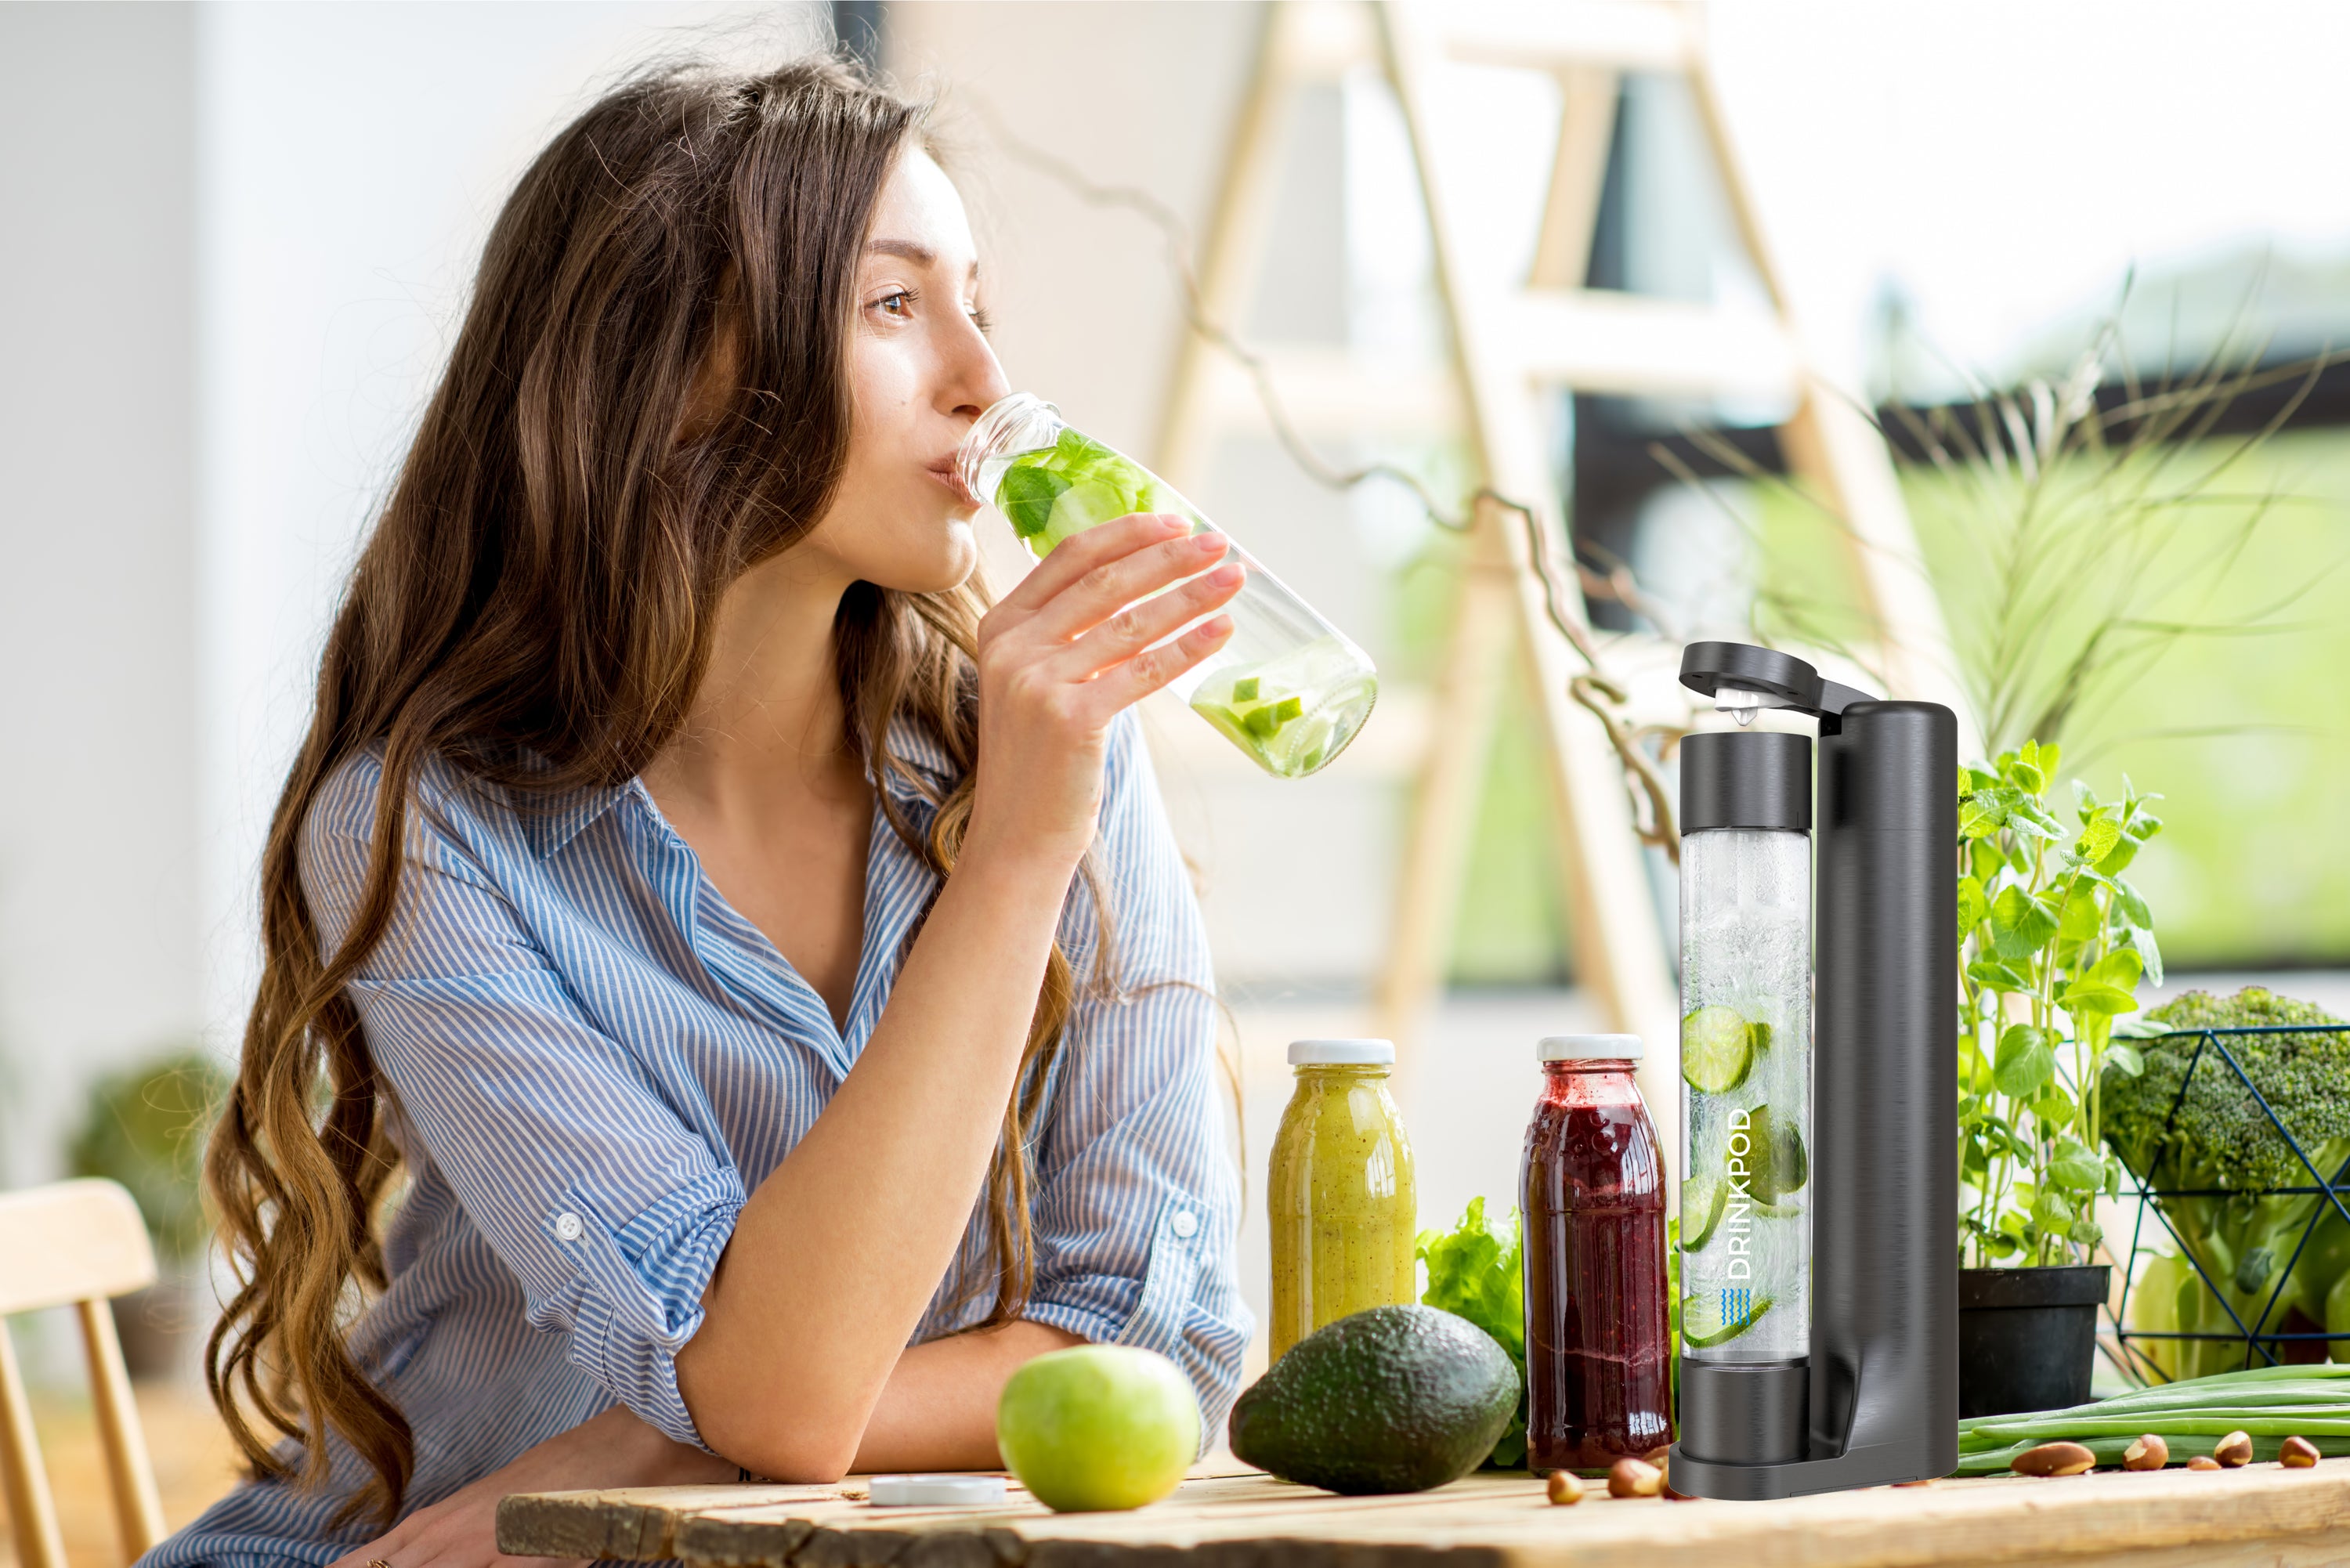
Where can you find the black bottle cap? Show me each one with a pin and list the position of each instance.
(1746, 778)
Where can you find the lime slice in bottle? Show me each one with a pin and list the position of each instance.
(1716, 1317)
(1703, 1200)
(1716, 1050)
(1761, 1171)
(1790, 1166)
(1759, 1036)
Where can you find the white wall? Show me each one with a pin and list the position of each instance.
(97, 693)
(352, 158)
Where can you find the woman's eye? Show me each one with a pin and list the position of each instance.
(982, 319)
(899, 303)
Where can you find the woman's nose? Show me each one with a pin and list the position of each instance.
(975, 377)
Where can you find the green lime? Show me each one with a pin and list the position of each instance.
(1758, 1035)
(1790, 1168)
(1099, 1427)
(1716, 1317)
(1775, 1158)
(1716, 1050)
(1703, 1199)
(1761, 1168)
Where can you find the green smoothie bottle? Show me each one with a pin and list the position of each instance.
(1340, 1191)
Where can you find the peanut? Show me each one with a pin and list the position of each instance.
(1564, 1489)
(2234, 1449)
(2202, 1463)
(1634, 1478)
(2148, 1453)
(2052, 1460)
(2297, 1454)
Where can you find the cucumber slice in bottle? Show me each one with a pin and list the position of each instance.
(1717, 1317)
(1085, 504)
(1717, 1051)
(1704, 1199)
(1265, 719)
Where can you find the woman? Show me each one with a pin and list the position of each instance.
(677, 905)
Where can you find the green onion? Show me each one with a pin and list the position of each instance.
(2269, 1404)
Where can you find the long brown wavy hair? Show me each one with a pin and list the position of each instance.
(535, 604)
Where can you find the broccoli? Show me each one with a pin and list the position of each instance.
(2247, 1237)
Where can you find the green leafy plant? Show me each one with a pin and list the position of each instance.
(2054, 942)
(145, 1128)
(1478, 1274)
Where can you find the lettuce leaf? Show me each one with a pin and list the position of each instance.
(1479, 1275)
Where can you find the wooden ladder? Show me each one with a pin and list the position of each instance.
(1505, 358)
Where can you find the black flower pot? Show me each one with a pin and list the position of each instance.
(2027, 1338)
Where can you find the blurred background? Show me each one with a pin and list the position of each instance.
(239, 235)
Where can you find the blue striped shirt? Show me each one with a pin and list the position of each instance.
(594, 1059)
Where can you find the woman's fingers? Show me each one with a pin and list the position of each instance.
(1126, 684)
(1142, 623)
(1082, 552)
(1122, 581)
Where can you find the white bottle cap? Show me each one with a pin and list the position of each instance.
(936, 1492)
(1342, 1053)
(1589, 1048)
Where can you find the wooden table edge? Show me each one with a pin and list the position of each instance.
(1492, 1519)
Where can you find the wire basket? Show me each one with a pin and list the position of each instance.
(2264, 1340)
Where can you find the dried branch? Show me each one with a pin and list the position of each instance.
(1595, 689)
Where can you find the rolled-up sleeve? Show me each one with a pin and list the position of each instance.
(1138, 1203)
(608, 1208)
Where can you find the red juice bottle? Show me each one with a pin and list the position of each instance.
(1592, 1189)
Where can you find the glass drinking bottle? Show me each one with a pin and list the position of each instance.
(1288, 689)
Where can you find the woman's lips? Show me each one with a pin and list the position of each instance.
(944, 471)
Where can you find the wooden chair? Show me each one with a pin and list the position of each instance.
(73, 1244)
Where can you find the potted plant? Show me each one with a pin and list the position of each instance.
(145, 1127)
(2054, 942)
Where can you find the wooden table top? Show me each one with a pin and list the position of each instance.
(2173, 1519)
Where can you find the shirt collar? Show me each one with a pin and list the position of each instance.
(552, 822)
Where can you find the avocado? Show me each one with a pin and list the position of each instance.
(1398, 1399)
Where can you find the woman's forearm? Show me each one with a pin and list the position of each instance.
(838, 1253)
(938, 1411)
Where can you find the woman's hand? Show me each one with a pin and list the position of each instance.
(461, 1531)
(1069, 648)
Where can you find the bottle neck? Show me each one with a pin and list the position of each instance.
(1020, 423)
(1598, 1081)
(1340, 1073)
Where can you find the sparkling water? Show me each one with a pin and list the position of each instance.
(1746, 1193)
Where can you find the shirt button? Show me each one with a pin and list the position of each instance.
(1185, 1223)
(568, 1226)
